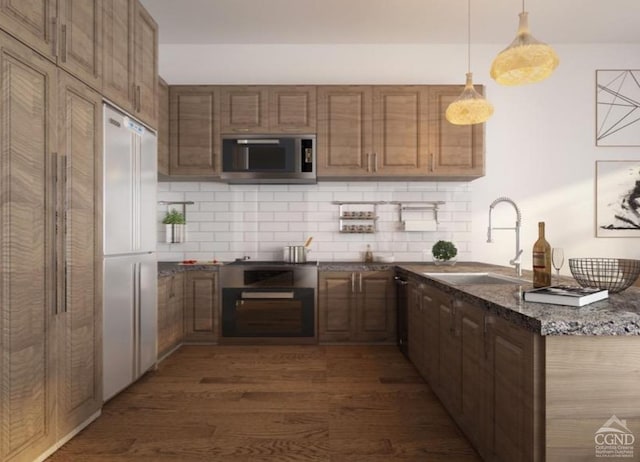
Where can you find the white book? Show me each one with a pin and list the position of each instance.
(566, 295)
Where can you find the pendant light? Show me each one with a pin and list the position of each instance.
(525, 60)
(470, 107)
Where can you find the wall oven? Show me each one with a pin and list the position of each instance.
(273, 301)
(268, 159)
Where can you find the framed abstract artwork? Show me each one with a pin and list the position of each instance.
(618, 107)
(618, 198)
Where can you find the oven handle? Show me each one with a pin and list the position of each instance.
(270, 295)
(258, 141)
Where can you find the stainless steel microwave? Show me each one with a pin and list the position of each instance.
(268, 158)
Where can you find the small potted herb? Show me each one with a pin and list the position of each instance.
(444, 252)
(175, 226)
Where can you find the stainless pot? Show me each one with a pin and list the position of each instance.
(295, 254)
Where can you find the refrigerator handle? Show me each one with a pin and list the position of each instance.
(139, 314)
(135, 322)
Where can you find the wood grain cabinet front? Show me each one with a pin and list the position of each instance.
(163, 127)
(201, 304)
(170, 313)
(356, 306)
(50, 342)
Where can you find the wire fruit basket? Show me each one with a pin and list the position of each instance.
(613, 274)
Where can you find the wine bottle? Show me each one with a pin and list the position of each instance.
(541, 259)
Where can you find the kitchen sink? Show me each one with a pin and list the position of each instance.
(473, 278)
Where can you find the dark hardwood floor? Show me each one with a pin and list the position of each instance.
(275, 403)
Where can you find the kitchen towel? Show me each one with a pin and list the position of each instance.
(419, 225)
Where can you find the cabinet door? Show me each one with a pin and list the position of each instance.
(400, 130)
(416, 332)
(431, 333)
(80, 40)
(32, 22)
(336, 306)
(163, 127)
(28, 305)
(449, 374)
(201, 305)
(456, 151)
(344, 131)
(170, 313)
(80, 131)
(117, 60)
(473, 372)
(194, 131)
(510, 391)
(244, 109)
(376, 317)
(145, 65)
(292, 109)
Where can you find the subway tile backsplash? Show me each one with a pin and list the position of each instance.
(231, 221)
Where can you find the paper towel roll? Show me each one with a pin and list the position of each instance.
(420, 225)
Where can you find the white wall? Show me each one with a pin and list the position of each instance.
(540, 141)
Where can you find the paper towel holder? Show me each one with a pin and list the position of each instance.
(417, 206)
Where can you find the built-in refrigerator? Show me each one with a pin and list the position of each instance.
(129, 240)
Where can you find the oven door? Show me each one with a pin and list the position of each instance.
(274, 155)
(268, 312)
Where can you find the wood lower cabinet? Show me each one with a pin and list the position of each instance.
(201, 306)
(486, 371)
(50, 287)
(356, 306)
(455, 151)
(170, 313)
(163, 127)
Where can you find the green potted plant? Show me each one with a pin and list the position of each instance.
(444, 252)
(175, 226)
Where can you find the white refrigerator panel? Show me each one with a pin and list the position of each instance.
(119, 210)
(118, 324)
(148, 191)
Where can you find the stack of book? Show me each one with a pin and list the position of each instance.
(565, 295)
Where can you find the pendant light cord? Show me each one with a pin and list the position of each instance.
(469, 36)
(523, 6)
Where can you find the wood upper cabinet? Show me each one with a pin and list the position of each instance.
(194, 141)
(292, 109)
(244, 109)
(170, 312)
(117, 30)
(145, 65)
(163, 127)
(80, 40)
(130, 58)
(33, 22)
(455, 151)
(28, 309)
(80, 275)
(356, 306)
(400, 130)
(344, 140)
(201, 306)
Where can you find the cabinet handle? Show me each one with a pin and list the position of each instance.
(360, 282)
(431, 162)
(488, 320)
(65, 208)
(375, 162)
(54, 36)
(368, 162)
(138, 98)
(353, 282)
(64, 43)
(54, 213)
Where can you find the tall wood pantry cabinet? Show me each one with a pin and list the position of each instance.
(50, 299)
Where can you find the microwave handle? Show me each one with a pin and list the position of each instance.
(258, 141)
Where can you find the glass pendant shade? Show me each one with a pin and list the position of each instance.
(470, 107)
(525, 60)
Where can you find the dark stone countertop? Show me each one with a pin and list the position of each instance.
(617, 315)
